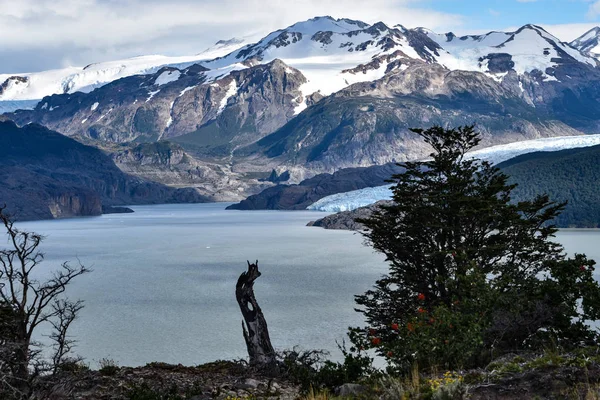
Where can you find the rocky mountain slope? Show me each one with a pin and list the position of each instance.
(209, 112)
(45, 175)
(168, 163)
(589, 42)
(261, 107)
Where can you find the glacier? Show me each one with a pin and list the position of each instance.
(495, 154)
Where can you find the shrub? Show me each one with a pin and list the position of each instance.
(472, 275)
(108, 367)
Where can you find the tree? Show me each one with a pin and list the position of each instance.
(470, 272)
(25, 304)
(258, 342)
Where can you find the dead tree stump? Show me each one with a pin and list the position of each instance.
(257, 339)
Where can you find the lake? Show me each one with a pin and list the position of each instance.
(163, 280)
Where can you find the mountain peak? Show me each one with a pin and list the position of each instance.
(589, 42)
(326, 24)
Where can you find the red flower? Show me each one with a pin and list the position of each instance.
(431, 320)
(395, 326)
(421, 310)
(582, 268)
(453, 254)
(410, 327)
(372, 332)
(421, 297)
(376, 341)
(389, 353)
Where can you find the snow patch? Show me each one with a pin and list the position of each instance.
(84, 120)
(170, 120)
(94, 106)
(231, 91)
(167, 77)
(187, 89)
(151, 95)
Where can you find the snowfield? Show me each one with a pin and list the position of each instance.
(37, 85)
(325, 50)
(496, 154)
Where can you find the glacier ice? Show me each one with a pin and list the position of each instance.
(496, 154)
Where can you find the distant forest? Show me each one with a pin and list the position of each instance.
(572, 175)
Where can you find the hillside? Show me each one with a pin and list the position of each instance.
(45, 175)
(567, 175)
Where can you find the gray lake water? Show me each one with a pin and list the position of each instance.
(163, 285)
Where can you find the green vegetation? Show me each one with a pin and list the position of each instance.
(568, 175)
(472, 275)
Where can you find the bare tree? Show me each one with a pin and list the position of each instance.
(257, 338)
(29, 303)
(66, 312)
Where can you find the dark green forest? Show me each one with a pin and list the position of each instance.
(567, 175)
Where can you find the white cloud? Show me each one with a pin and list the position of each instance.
(569, 32)
(84, 31)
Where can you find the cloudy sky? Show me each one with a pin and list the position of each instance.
(44, 34)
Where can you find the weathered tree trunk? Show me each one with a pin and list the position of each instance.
(256, 336)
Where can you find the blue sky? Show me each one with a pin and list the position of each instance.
(45, 34)
(506, 13)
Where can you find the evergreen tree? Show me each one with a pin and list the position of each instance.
(470, 272)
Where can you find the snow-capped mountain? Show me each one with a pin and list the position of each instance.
(331, 53)
(496, 154)
(328, 51)
(529, 48)
(27, 87)
(589, 42)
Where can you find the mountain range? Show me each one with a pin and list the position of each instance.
(313, 98)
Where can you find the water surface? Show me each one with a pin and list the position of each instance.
(163, 285)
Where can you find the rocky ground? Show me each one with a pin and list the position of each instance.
(217, 380)
(544, 378)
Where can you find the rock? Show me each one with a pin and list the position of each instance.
(248, 384)
(350, 390)
(116, 210)
(346, 220)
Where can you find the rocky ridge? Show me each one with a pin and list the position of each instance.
(45, 175)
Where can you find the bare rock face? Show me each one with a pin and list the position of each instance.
(213, 116)
(368, 123)
(75, 204)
